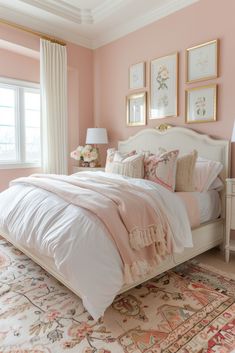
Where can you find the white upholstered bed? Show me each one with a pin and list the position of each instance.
(206, 236)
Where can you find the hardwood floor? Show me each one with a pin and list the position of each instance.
(215, 258)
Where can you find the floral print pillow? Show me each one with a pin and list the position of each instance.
(162, 169)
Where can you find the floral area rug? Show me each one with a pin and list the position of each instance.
(187, 310)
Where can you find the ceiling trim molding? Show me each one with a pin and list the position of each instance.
(107, 8)
(63, 10)
(141, 22)
(98, 13)
(34, 23)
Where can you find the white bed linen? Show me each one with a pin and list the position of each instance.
(209, 204)
(77, 240)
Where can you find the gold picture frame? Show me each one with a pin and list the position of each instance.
(202, 62)
(137, 76)
(163, 98)
(136, 109)
(201, 104)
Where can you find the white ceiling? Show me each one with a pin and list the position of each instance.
(91, 23)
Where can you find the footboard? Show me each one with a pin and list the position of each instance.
(205, 237)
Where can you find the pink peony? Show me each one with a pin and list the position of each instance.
(75, 155)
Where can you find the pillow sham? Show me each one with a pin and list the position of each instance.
(217, 185)
(129, 164)
(162, 169)
(185, 172)
(111, 153)
(206, 172)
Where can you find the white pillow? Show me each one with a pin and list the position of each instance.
(129, 164)
(217, 185)
(111, 153)
(206, 171)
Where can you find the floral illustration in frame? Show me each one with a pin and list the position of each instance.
(201, 104)
(164, 87)
(136, 109)
(202, 62)
(137, 76)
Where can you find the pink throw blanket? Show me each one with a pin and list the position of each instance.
(192, 208)
(132, 216)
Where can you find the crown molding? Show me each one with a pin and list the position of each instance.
(63, 10)
(107, 8)
(75, 14)
(98, 13)
(36, 24)
(140, 22)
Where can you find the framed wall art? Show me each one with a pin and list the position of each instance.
(136, 109)
(202, 62)
(137, 76)
(163, 100)
(201, 104)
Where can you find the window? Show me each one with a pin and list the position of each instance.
(20, 140)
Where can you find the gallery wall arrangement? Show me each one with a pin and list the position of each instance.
(160, 99)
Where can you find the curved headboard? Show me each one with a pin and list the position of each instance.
(183, 139)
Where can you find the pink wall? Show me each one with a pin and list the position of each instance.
(80, 87)
(104, 72)
(80, 95)
(198, 23)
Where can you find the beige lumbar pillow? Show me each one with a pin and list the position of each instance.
(132, 166)
(127, 164)
(185, 172)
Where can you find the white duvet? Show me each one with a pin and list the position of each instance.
(77, 240)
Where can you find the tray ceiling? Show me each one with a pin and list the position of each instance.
(91, 23)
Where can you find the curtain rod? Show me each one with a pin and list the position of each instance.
(35, 33)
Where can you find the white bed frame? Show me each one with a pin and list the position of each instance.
(206, 236)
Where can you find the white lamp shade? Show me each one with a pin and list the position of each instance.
(96, 136)
(233, 134)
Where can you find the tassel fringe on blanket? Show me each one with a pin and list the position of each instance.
(140, 238)
(139, 269)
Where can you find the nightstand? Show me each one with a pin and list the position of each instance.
(230, 217)
(87, 169)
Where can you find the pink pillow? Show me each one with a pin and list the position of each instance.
(162, 169)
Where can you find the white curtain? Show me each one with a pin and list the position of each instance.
(53, 83)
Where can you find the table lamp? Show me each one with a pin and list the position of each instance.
(96, 136)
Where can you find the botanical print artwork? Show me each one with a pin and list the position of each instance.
(202, 61)
(201, 104)
(137, 76)
(200, 107)
(162, 77)
(136, 109)
(187, 310)
(163, 84)
(163, 101)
